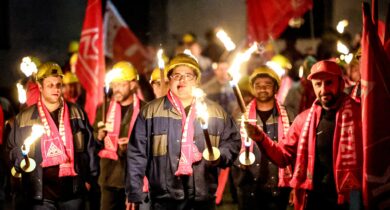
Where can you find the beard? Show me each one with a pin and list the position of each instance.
(264, 97)
(123, 96)
(331, 101)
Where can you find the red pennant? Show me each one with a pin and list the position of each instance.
(90, 66)
(270, 18)
(120, 41)
(375, 114)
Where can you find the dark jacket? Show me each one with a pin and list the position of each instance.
(262, 174)
(112, 172)
(154, 150)
(85, 162)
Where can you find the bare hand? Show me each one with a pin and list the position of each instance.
(102, 133)
(291, 198)
(254, 132)
(131, 206)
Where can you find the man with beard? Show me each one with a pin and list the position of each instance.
(168, 141)
(257, 184)
(112, 139)
(64, 155)
(324, 143)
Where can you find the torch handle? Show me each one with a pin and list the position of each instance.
(208, 141)
(27, 160)
(246, 152)
(240, 99)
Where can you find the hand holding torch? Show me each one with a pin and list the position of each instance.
(28, 164)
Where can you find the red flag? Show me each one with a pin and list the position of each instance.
(270, 18)
(90, 67)
(120, 41)
(375, 113)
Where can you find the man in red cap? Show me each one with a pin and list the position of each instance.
(324, 144)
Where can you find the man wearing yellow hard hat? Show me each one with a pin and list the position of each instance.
(72, 89)
(168, 141)
(159, 89)
(112, 139)
(257, 184)
(63, 155)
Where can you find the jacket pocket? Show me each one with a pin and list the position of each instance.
(160, 143)
(78, 139)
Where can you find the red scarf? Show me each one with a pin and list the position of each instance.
(354, 92)
(1, 124)
(285, 174)
(113, 126)
(189, 152)
(57, 144)
(347, 151)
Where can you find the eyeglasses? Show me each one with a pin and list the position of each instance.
(185, 77)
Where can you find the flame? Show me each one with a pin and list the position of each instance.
(109, 77)
(21, 93)
(243, 132)
(36, 133)
(342, 48)
(225, 39)
(201, 107)
(234, 70)
(341, 26)
(279, 70)
(28, 67)
(301, 72)
(161, 63)
(348, 58)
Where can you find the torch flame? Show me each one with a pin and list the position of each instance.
(21, 93)
(109, 77)
(240, 58)
(161, 63)
(341, 26)
(225, 39)
(36, 133)
(342, 48)
(201, 107)
(28, 67)
(301, 72)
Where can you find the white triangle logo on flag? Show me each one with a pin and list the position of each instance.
(53, 151)
(183, 159)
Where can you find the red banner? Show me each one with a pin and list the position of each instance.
(120, 41)
(270, 18)
(376, 114)
(90, 66)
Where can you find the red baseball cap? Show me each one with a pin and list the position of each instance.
(325, 66)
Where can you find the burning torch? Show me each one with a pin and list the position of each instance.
(248, 156)
(161, 66)
(210, 153)
(28, 164)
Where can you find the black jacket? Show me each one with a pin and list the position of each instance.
(85, 163)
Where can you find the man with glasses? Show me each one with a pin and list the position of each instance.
(168, 141)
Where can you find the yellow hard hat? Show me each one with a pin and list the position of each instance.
(188, 38)
(185, 60)
(243, 84)
(264, 70)
(73, 47)
(124, 71)
(282, 61)
(73, 59)
(156, 75)
(49, 69)
(69, 78)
